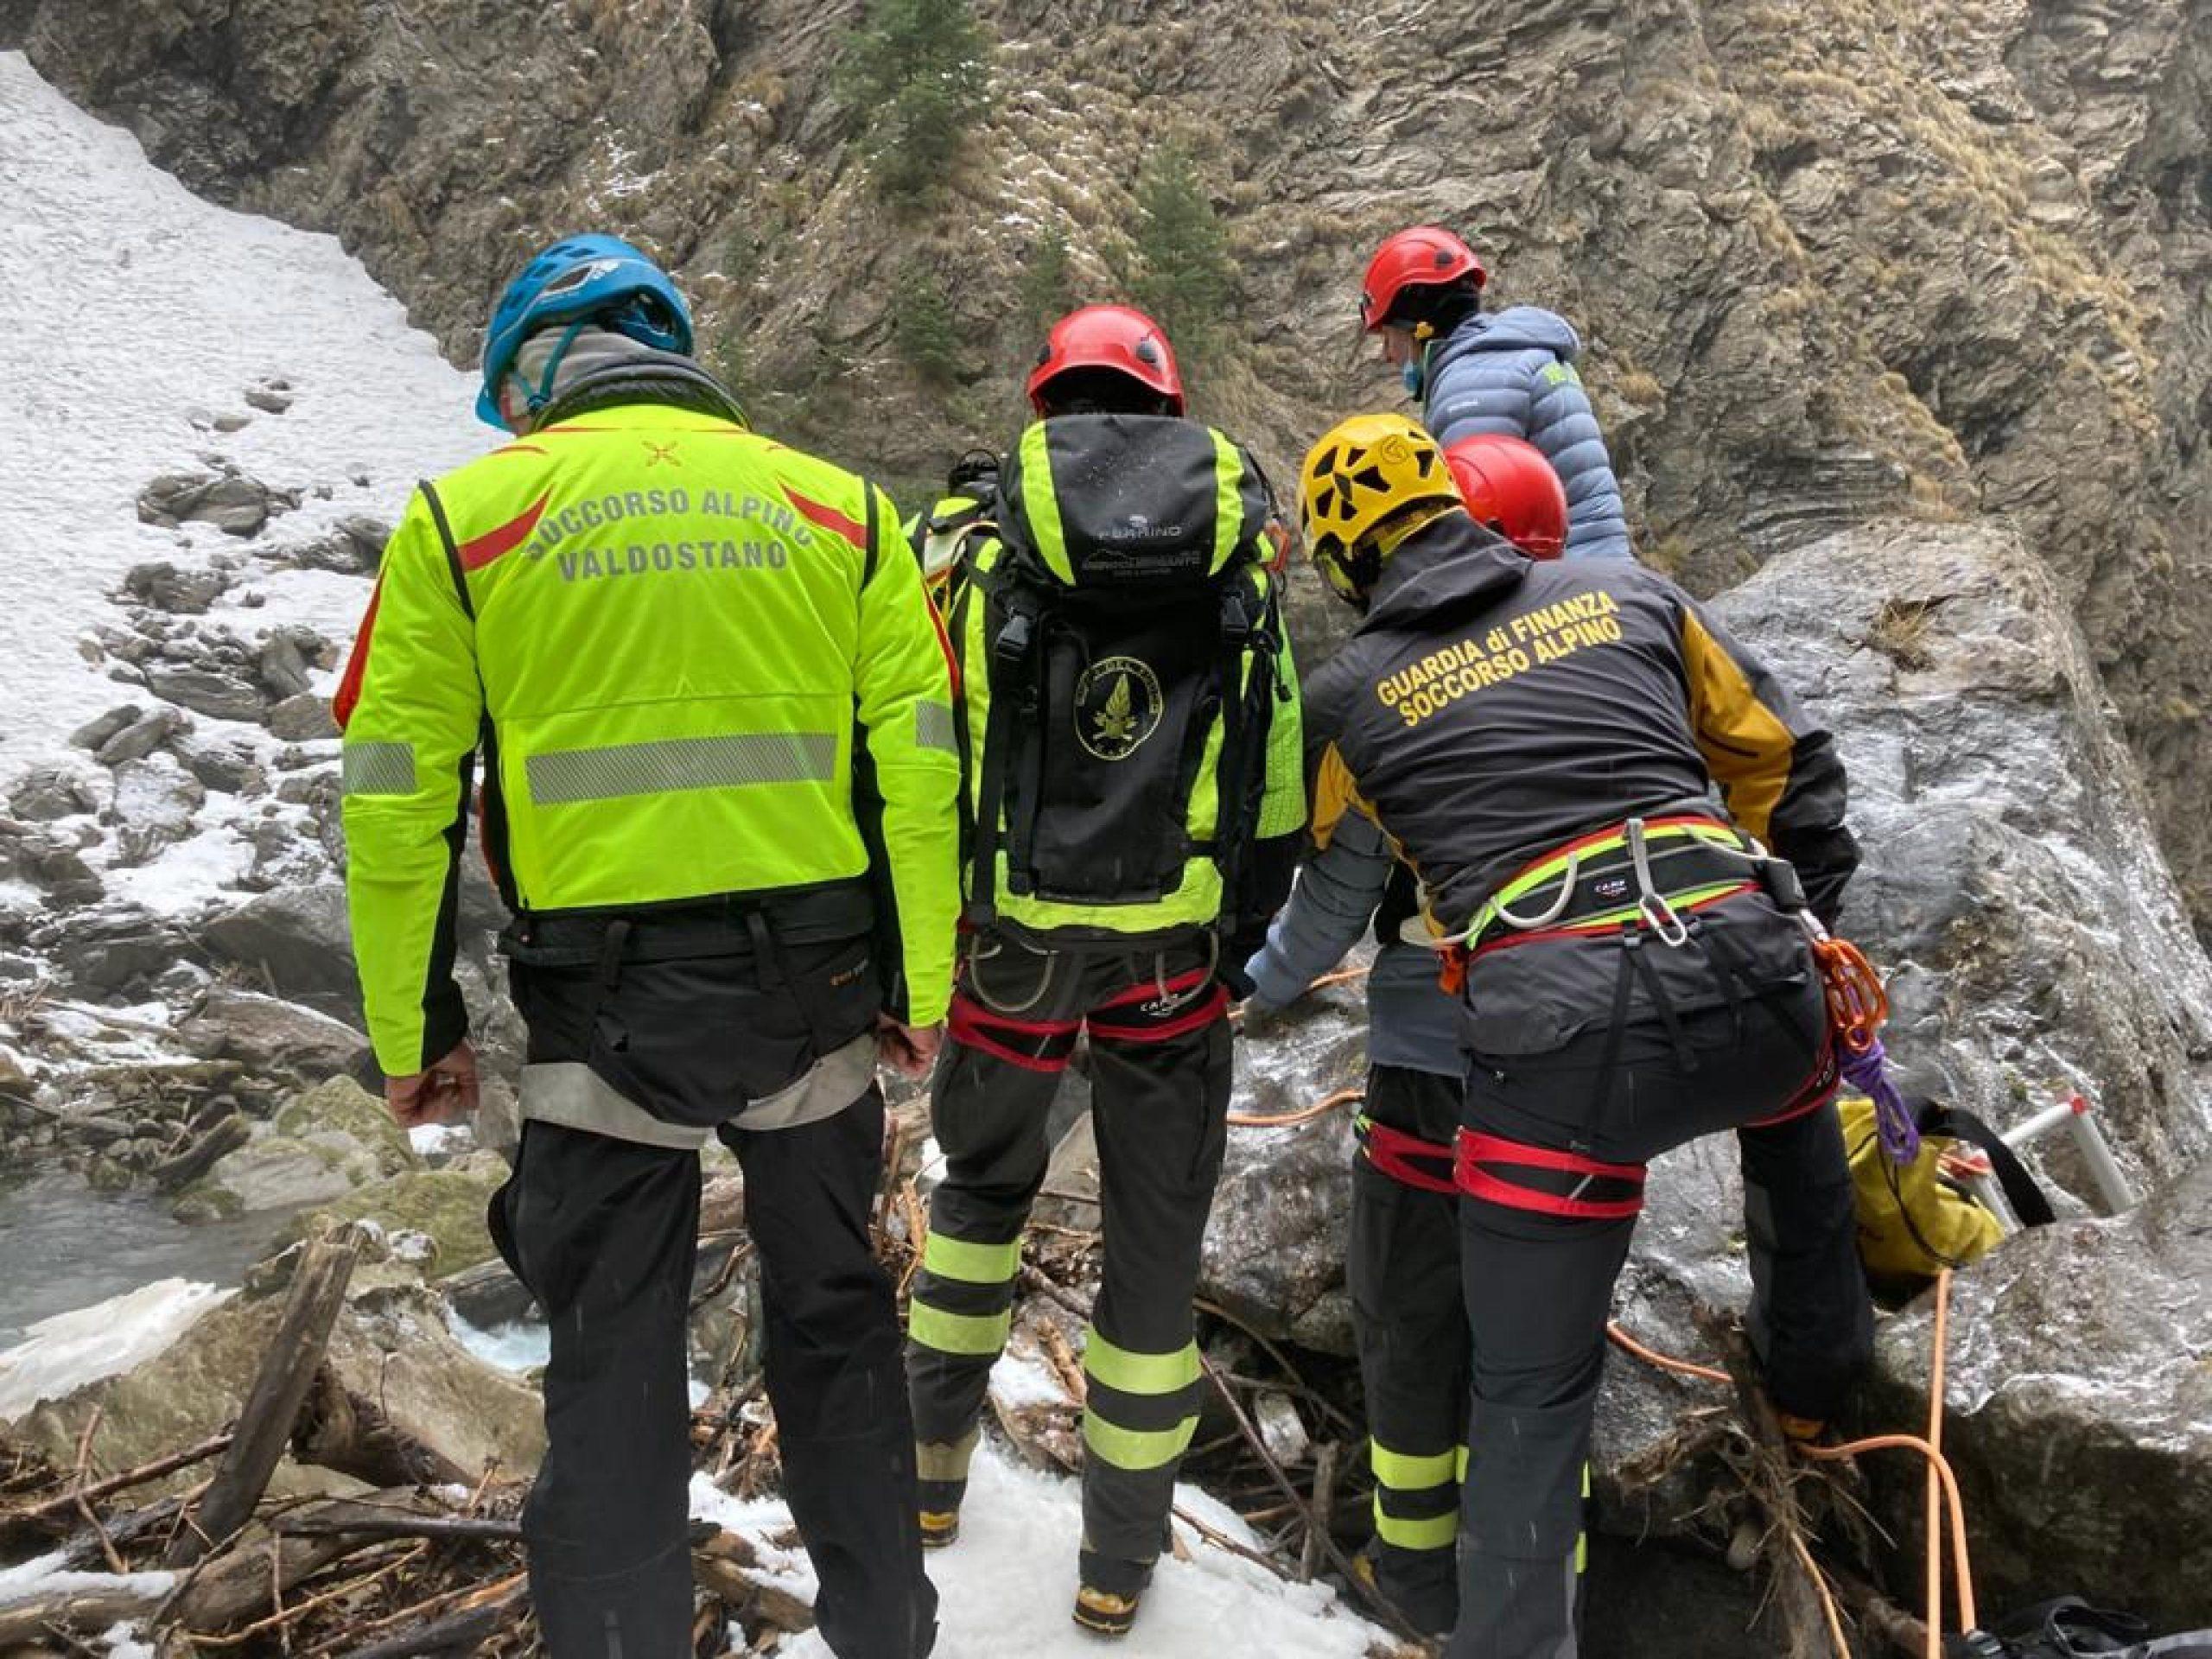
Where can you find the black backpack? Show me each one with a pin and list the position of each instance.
(1129, 611)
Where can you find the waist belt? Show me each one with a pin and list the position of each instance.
(1648, 870)
(729, 925)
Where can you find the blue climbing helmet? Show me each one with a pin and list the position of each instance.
(579, 280)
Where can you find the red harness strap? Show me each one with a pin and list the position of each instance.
(1401, 1156)
(1813, 1093)
(1032, 1044)
(1475, 1151)
(1152, 1013)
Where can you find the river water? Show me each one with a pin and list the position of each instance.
(63, 1246)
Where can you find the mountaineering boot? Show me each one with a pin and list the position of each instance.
(940, 1511)
(1431, 1613)
(1107, 1592)
(1103, 1612)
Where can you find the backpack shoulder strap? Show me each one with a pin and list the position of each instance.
(1012, 662)
(1250, 648)
(453, 566)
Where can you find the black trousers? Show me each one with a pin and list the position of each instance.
(1160, 1079)
(604, 1233)
(1411, 1325)
(1539, 1285)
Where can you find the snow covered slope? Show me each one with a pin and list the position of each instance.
(134, 316)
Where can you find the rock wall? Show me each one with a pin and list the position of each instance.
(1948, 260)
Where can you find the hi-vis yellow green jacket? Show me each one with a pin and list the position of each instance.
(697, 663)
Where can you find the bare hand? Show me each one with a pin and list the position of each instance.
(444, 1093)
(910, 1050)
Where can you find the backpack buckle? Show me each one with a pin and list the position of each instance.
(1015, 638)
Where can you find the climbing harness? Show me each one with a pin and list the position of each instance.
(1406, 1158)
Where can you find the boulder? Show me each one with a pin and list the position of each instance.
(95, 733)
(112, 951)
(184, 592)
(323, 1145)
(2077, 1411)
(1274, 1244)
(155, 799)
(267, 1035)
(230, 501)
(2035, 943)
(45, 793)
(220, 763)
(390, 1345)
(445, 1204)
(281, 665)
(303, 719)
(141, 737)
(210, 691)
(295, 938)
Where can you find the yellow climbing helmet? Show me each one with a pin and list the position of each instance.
(1363, 473)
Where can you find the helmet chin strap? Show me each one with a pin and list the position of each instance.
(544, 394)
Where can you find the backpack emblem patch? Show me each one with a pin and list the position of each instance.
(1117, 706)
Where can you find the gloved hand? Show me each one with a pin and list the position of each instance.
(1231, 972)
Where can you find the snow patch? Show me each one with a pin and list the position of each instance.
(60, 1355)
(44, 1576)
(1004, 1589)
(174, 305)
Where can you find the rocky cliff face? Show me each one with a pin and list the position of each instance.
(1946, 260)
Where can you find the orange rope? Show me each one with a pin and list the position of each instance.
(1959, 1565)
(1320, 1107)
(1931, 1514)
(1342, 977)
(1652, 1357)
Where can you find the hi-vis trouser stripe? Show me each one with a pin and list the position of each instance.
(368, 768)
(963, 1301)
(1417, 1496)
(565, 777)
(1141, 1410)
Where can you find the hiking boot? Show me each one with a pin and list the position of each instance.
(1103, 1613)
(939, 1527)
(1430, 1609)
(940, 1511)
(1109, 1589)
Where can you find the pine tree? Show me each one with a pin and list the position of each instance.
(1046, 289)
(917, 73)
(1185, 276)
(923, 328)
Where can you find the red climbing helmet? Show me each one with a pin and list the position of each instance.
(1510, 487)
(1424, 257)
(1116, 337)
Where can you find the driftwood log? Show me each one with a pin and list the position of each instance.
(340, 1429)
(286, 1373)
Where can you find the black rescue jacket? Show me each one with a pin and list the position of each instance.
(1491, 708)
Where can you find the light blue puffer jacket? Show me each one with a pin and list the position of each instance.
(1513, 371)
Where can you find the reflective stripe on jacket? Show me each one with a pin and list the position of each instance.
(700, 663)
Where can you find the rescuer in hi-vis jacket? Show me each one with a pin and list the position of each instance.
(719, 774)
(1585, 772)
(1132, 732)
